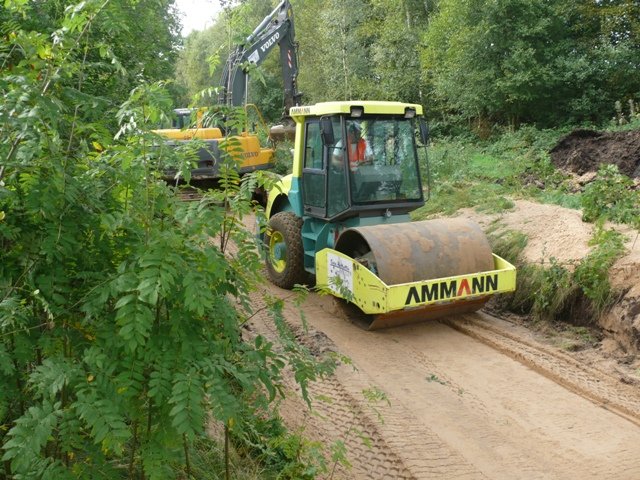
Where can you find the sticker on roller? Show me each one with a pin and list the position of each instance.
(340, 274)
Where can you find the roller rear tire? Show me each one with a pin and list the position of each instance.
(285, 254)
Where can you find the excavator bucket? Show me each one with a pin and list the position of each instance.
(411, 272)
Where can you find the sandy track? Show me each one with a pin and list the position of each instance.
(470, 398)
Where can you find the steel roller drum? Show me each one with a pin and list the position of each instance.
(409, 252)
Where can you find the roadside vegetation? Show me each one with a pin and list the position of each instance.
(576, 293)
(122, 308)
(485, 174)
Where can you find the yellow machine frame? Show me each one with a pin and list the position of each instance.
(348, 279)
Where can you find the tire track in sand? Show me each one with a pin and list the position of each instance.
(381, 440)
(588, 382)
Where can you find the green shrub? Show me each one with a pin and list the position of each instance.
(509, 245)
(121, 307)
(556, 291)
(610, 197)
(283, 158)
(591, 274)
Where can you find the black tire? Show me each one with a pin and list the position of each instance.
(285, 234)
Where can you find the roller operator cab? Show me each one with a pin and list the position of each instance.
(341, 219)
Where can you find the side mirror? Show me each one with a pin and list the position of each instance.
(424, 132)
(326, 131)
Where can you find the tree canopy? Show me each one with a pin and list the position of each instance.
(487, 61)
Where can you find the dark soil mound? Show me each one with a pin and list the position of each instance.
(584, 151)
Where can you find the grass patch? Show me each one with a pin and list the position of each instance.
(496, 204)
(268, 451)
(448, 198)
(488, 176)
(484, 166)
(558, 197)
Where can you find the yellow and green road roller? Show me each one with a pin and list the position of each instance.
(341, 220)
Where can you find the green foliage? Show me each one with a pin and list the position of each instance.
(295, 457)
(507, 244)
(555, 286)
(121, 308)
(193, 66)
(283, 158)
(358, 49)
(591, 275)
(512, 61)
(510, 245)
(611, 197)
(552, 291)
(474, 65)
(472, 174)
(487, 175)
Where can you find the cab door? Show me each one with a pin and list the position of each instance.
(325, 181)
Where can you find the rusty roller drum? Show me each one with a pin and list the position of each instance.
(415, 251)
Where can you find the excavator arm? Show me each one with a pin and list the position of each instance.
(277, 28)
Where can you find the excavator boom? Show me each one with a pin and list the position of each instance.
(277, 29)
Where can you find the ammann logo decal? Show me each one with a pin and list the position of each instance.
(300, 111)
(447, 290)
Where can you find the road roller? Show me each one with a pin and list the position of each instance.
(341, 220)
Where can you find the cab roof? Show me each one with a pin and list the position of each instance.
(346, 107)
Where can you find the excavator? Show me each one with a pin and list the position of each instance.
(276, 29)
(343, 222)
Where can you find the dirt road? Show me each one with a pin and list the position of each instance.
(471, 397)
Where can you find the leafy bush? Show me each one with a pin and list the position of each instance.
(121, 308)
(555, 287)
(553, 291)
(591, 274)
(283, 158)
(610, 197)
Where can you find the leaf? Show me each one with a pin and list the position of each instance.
(30, 435)
(52, 376)
(135, 320)
(187, 398)
(107, 424)
(6, 363)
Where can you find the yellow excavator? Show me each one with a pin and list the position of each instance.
(275, 30)
(246, 146)
(341, 220)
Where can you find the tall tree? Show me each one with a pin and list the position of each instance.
(395, 57)
(198, 64)
(534, 61)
